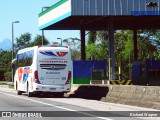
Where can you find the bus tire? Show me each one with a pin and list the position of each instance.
(29, 94)
(18, 92)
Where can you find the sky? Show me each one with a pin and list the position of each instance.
(26, 11)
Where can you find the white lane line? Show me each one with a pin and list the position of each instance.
(104, 118)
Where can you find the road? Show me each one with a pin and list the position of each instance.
(64, 108)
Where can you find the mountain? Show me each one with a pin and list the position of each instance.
(6, 44)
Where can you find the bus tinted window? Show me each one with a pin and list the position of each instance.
(25, 59)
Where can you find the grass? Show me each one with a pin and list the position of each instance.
(11, 86)
(6, 83)
(3, 83)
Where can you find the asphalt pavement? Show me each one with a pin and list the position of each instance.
(68, 108)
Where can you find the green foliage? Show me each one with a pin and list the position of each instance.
(38, 41)
(74, 44)
(3, 83)
(23, 41)
(75, 54)
(97, 51)
(91, 51)
(5, 63)
(11, 86)
(148, 47)
(98, 47)
(8, 74)
(148, 44)
(92, 37)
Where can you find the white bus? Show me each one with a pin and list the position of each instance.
(43, 69)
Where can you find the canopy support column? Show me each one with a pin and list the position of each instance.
(83, 50)
(135, 44)
(111, 49)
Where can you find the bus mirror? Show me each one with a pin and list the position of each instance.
(13, 64)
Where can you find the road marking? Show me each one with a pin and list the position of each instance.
(104, 118)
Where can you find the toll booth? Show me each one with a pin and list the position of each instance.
(85, 71)
(146, 72)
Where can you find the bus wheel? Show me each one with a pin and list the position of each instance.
(29, 93)
(18, 92)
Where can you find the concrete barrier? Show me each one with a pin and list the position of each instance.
(142, 96)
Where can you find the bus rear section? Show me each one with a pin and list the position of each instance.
(53, 72)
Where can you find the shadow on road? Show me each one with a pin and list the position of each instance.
(85, 92)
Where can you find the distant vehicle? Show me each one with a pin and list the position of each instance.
(43, 69)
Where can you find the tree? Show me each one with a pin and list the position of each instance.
(92, 37)
(97, 51)
(74, 44)
(38, 41)
(97, 46)
(5, 63)
(23, 41)
(56, 43)
(75, 54)
(148, 46)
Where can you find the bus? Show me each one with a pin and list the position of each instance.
(43, 69)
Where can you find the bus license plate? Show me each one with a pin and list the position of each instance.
(52, 88)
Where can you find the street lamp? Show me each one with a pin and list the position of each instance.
(42, 30)
(13, 38)
(61, 40)
(13, 45)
